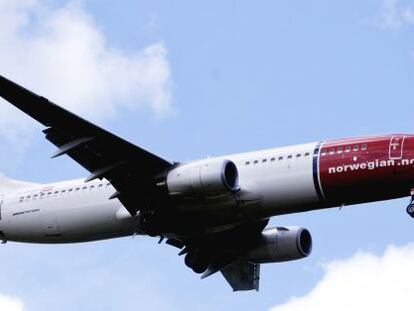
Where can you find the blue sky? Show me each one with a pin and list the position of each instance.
(187, 80)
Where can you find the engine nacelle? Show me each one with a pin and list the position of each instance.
(281, 244)
(204, 178)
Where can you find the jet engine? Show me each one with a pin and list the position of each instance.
(281, 244)
(206, 178)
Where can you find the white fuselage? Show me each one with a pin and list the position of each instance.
(74, 211)
(71, 211)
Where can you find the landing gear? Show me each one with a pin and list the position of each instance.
(410, 207)
(150, 222)
(196, 263)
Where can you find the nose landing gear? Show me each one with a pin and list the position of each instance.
(410, 207)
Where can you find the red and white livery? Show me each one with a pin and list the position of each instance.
(215, 210)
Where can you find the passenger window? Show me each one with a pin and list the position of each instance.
(264, 160)
(84, 187)
(356, 148)
(347, 149)
(92, 187)
(323, 153)
(35, 197)
(42, 195)
(298, 155)
(63, 191)
(56, 193)
(49, 194)
(290, 156)
(108, 184)
(307, 154)
(331, 151)
(340, 150)
(280, 159)
(247, 163)
(364, 147)
(21, 199)
(100, 185)
(273, 159)
(256, 161)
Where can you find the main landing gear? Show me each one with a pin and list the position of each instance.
(196, 261)
(410, 207)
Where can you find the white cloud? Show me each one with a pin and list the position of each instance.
(362, 282)
(9, 303)
(397, 13)
(408, 15)
(63, 55)
(390, 14)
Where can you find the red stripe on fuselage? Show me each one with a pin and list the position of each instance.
(367, 169)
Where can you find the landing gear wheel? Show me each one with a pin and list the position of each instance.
(189, 260)
(197, 265)
(148, 222)
(410, 210)
(200, 267)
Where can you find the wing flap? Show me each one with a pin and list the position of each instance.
(242, 275)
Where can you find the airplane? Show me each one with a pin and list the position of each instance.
(215, 211)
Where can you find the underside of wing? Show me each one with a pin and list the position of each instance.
(128, 167)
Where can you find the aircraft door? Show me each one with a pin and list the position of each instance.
(396, 148)
(51, 227)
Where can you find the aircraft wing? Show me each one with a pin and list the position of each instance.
(105, 155)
